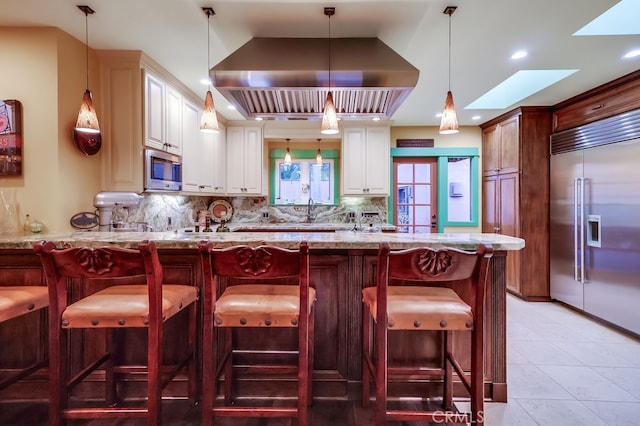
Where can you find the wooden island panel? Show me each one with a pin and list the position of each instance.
(338, 275)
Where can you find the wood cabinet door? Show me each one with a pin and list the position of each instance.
(489, 204)
(510, 145)
(353, 161)
(509, 218)
(173, 137)
(491, 151)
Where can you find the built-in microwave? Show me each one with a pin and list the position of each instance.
(163, 171)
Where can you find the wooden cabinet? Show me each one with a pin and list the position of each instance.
(500, 148)
(613, 98)
(203, 154)
(163, 115)
(245, 174)
(515, 194)
(365, 161)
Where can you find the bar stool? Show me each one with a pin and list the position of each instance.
(415, 291)
(261, 287)
(16, 301)
(76, 273)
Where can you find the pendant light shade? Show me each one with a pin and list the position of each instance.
(449, 122)
(329, 124)
(319, 154)
(329, 118)
(209, 121)
(287, 155)
(87, 121)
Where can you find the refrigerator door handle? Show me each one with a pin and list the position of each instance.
(582, 227)
(576, 184)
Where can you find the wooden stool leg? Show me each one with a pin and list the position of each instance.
(228, 366)
(154, 379)
(111, 343)
(58, 367)
(208, 372)
(191, 367)
(447, 397)
(381, 373)
(366, 354)
(311, 355)
(477, 379)
(303, 372)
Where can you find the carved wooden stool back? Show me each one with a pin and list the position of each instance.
(256, 288)
(108, 289)
(423, 289)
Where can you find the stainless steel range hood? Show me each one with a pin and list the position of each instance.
(288, 78)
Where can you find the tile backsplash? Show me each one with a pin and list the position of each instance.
(156, 209)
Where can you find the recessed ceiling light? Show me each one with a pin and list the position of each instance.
(520, 85)
(620, 19)
(439, 115)
(259, 118)
(476, 117)
(205, 81)
(376, 118)
(233, 107)
(632, 54)
(519, 54)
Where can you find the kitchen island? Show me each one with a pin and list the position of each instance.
(342, 264)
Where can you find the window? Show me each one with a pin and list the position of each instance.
(303, 179)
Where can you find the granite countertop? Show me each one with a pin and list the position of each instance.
(303, 226)
(317, 240)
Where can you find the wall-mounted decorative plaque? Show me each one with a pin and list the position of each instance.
(10, 138)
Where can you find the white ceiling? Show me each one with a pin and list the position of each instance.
(484, 35)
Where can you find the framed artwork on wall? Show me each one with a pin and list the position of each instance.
(10, 138)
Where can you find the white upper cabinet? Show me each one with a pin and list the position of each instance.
(365, 161)
(163, 115)
(203, 154)
(245, 161)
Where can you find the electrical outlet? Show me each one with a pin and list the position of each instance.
(370, 214)
(265, 215)
(351, 215)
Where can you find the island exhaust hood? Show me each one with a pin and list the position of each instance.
(288, 78)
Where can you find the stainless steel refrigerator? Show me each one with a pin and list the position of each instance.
(595, 227)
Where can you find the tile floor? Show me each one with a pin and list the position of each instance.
(565, 369)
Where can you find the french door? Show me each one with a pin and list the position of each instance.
(415, 194)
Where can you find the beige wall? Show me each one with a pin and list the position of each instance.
(45, 70)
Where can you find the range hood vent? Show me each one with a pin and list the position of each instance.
(288, 78)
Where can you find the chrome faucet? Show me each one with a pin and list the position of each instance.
(310, 206)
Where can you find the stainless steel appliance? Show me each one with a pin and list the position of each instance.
(163, 171)
(595, 219)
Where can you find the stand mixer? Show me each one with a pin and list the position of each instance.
(107, 202)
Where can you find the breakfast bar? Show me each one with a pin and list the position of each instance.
(342, 263)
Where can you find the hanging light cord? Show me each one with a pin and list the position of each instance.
(86, 43)
(450, 50)
(329, 52)
(208, 50)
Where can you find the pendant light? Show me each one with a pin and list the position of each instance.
(87, 119)
(209, 122)
(449, 122)
(287, 155)
(329, 118)
(319, 154)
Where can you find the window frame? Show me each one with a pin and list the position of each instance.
(442, 155)
(304, 154)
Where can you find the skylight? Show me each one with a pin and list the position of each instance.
(620, 19)
(520, 85)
